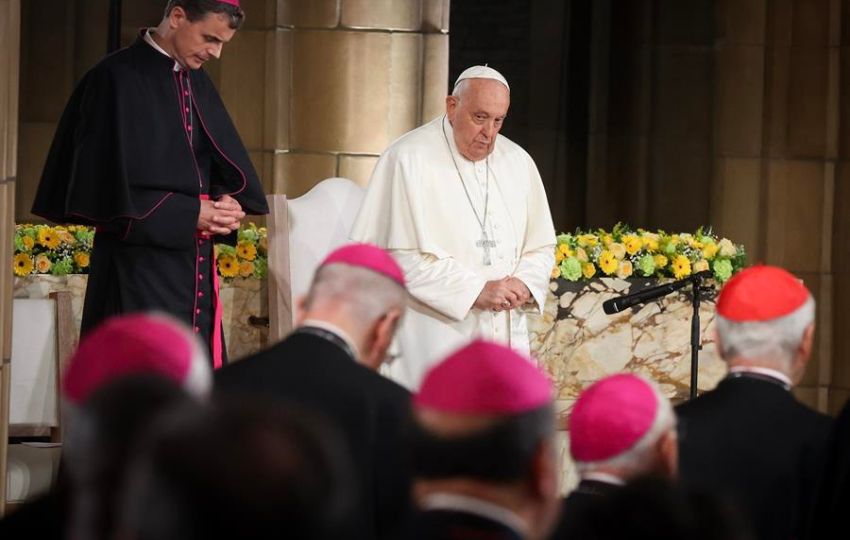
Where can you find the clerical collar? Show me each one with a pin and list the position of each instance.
(478, 507)
(605, 478)
(767, 374)
(347, 344)
(152, 42)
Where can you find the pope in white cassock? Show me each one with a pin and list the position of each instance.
(464, 212)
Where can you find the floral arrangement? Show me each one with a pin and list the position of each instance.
(61, 250)
(45, 249)
(249, 258)
(623, 252)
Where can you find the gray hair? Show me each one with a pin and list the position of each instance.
(641, 457)
(459, 88)
(774, 341)
(366, 295)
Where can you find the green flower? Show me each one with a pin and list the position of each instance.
(571, 269)
(261, 267)
(564, 238)
(646, 265)
(248, 234)
(62, 267)
(722, 269)
(84, 236)
(225, 249)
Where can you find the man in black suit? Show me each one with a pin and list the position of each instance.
(483, 449)
(344, 327)
(750, 439)
(620, 428)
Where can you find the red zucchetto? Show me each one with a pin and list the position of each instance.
(761, 293)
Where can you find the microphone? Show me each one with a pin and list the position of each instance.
(616, 305)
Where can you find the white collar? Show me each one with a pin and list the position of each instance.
(334, 329)
(763, 371)
(472, 505)
(152, 42)
(605, 478)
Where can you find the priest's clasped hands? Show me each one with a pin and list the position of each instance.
(503, 294)
(220, 217)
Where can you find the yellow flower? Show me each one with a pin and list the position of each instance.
(246, 250)
(588, 269)
(28, 242)
(607, 262)
(227, 266)
(246, 268)
(633, 243)
(625, 269)
(660, 261)
(607, 240)
(263, 244)
(619, 250)
(700, 265)
(82, 259)
(581, 255)
(559, 256)
(42, 264)
(564, 250)
(587, 240)
(709, 250)
(727, 248)
(681, 267)
(66, 237)
(48, 238)
(650, 240)
(22, 264)
(556, 272)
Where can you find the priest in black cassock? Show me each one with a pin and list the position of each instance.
(146, 152)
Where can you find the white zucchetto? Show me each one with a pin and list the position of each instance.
(482, 72)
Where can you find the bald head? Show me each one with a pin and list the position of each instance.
(476, 110)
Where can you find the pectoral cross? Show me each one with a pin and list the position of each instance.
(486, 245)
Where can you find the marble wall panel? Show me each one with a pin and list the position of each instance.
(308, 13)
(278, 93)
(737, 208)
(242, 84)
(435, 16)
(435, 76)
(807, 102)
(357, 168)
(740, 93)
(295, 173)
(577, 343)
(333, 92)
(742, 22)
(381, 14)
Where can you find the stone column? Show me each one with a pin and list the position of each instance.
(339, 80)
(777, 115)
(10, 25)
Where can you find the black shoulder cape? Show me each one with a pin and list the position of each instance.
(114, 155)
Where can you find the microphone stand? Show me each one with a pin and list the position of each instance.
(616, 305)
